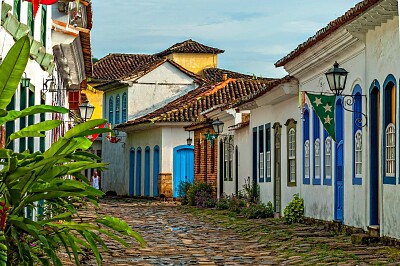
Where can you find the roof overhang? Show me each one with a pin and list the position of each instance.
(149, 125)
(280, 93)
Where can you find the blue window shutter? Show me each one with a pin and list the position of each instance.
(306, 137)
(111, 110)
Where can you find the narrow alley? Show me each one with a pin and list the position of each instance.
(179, 235)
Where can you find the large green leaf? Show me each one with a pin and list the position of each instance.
(32, 110)
(78, 129)
(12, 69)
(35, 129)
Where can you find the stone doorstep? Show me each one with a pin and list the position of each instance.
(374, 230)
(364, 239)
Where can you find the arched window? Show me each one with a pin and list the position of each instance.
(306, 146)
(111, 110)
(358, 153)
(124, 111)
(307, 159)
(328, 160)
(357, 136)
(390, 159)
(291, 151)
(117, 107)
(317, 150)
(389, 138)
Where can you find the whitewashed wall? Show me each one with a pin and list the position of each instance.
(383, 51)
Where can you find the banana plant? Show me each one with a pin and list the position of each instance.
(30, 177)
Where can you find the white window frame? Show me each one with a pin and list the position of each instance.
(307, 159)
(358, 153)
(390, 150)
(292, 154)
(317, 159)
(328, 158)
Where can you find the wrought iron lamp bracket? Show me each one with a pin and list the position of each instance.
(349, 101)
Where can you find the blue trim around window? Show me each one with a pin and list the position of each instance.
(268, 149)
(261, 150)
(117, 108)
(110, 110)
(357, 108)
(306, 136)
(327, 181)
(387, 98)
(124, 111)
(254, 153)
(316, 135)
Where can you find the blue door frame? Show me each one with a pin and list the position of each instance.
(131, 171)
(147, 172)
(183, 167)
(374, 112)
(156, 170)
(139, 172)
(339, 173)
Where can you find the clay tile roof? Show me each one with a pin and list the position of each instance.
(116, 66)
(189, 46)
(190, 106)
(350, 15)
(216, 74)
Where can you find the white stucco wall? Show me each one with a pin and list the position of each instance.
(279, 112)
(157, 88)
(383, 50)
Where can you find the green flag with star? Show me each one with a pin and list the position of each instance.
(324, 106)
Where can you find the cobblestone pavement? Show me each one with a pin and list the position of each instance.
(177, 235)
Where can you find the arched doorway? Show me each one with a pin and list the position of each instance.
(183, 167)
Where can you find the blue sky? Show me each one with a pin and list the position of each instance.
(253, 33)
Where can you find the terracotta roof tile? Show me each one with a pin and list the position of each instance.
(350, 15)
(116, 66)
(189, 107)
(189, 46)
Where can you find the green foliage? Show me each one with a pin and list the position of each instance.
(258, 210)
(251, 190)
(294, 211)
(183, 188)
(27, 178)
(194, 190)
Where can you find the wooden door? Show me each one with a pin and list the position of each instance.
(278, 168)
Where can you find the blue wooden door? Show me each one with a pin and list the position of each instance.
(339, 177)
(375, 161)
(131, 171)
(183, 167)
(156, 170)
(139, 172)
(147, 172)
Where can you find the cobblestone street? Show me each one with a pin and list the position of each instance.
(178, 235)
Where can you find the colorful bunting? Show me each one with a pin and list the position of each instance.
(94, 136)
(324, 107)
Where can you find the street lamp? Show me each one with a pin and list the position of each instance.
(218, 126)
(337, 78)
(25, 81)
(189, 140)
(86, 110)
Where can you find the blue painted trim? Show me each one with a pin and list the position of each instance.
(316, 135)
(131, 171)
(373, 155)
(327, 181)
(357, 107)
(390, 180)
(339, 193)
(268, 145)
(261, 146)
(306, 136)
(138, 183)
(117, 108)
(156, 169)
(110, 110)
(147, 171)
(124, 110)
(255, 153)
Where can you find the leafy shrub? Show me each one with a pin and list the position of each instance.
(194, 189)
(204, 200)
(258, 210)
(237, 204)
(223, 202)
(183, 188)
(251, 190)
(294, 211)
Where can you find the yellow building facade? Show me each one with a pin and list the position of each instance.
(195, 62)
